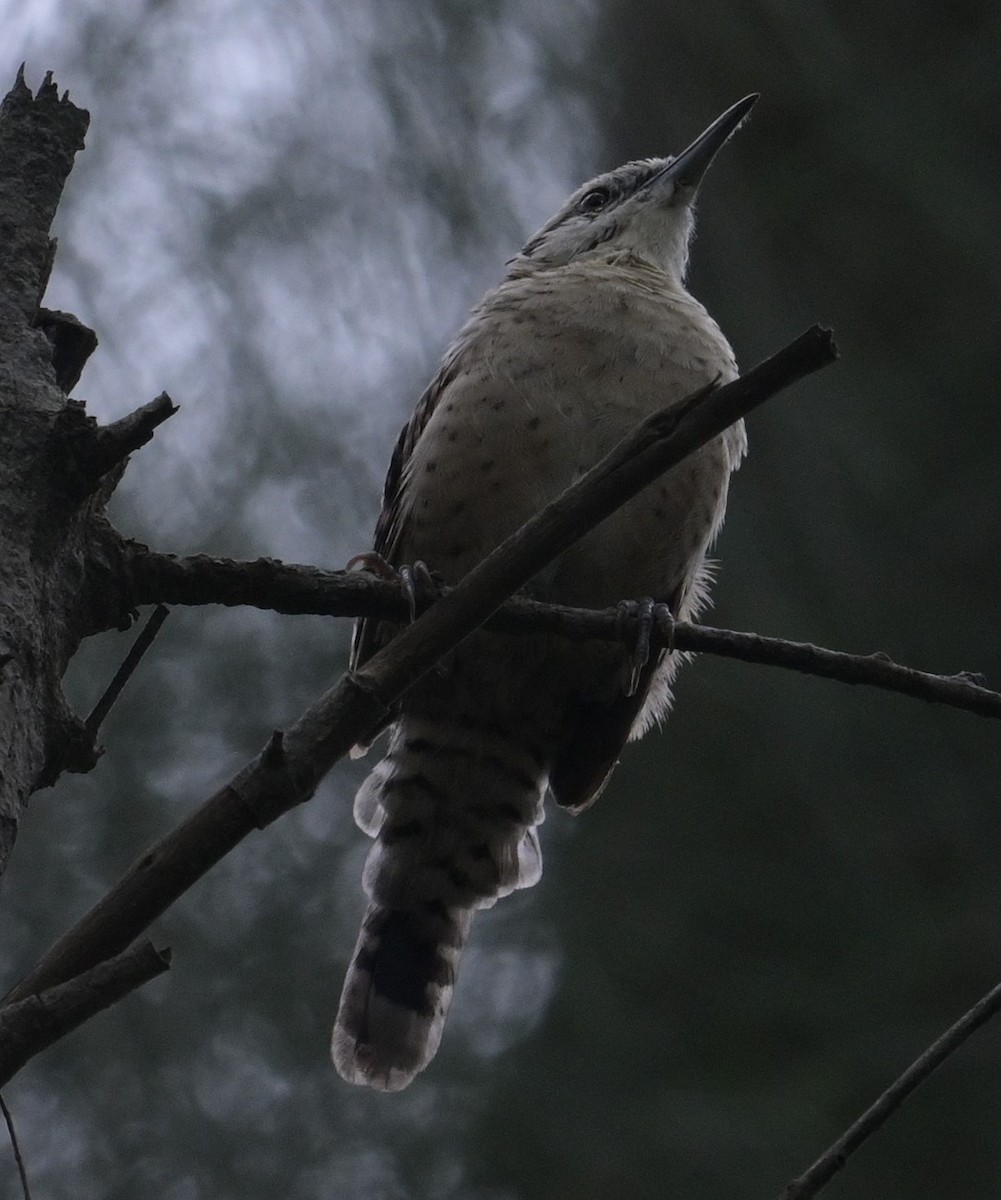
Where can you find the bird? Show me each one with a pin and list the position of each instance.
(591, 330)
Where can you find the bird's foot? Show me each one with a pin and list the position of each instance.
(418, 586)
(635, 621)
(415, 579)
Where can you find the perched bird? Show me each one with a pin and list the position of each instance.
(590, 331)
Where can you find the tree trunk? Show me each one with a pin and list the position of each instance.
(50, 503)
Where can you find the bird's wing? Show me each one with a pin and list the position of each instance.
(594, 737)
(370, 634)
(595, 734)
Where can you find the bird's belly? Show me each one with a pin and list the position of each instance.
(653, 545)
(504, 443)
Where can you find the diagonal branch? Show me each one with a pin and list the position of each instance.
(112, 443)
(287, 772)
(834, 1158)
(126, 670)
(656, 445)
(31, 1025)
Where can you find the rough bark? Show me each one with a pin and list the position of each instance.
(45, 515)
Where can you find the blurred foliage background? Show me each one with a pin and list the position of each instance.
(284, 210)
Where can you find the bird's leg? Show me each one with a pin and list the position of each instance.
(415, 579)
(664, 620)
(647, 614)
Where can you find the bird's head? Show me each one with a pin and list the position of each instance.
(643, 208)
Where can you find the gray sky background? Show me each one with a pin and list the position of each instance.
(283, 212)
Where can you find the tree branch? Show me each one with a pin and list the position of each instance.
(88, 453)
(288, 588)
(34, 1023)
(834, 1158)
(111, 443)
(656, 445)
(291, 766)
(962, 690)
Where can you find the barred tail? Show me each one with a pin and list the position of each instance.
(454, 813)
(396, 994)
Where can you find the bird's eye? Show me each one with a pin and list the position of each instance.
(594, 201)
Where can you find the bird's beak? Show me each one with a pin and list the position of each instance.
(687, 169)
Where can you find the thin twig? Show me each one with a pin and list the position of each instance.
(295, 589)
(17, 1149)
(126, 670)
(833, 1159)
(960, 690)
(287, 773)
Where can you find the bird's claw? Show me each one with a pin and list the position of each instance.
(373, 562)
(641, 612)
(415, 579)
(635, 621)
(664, 620)
(418, 586)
